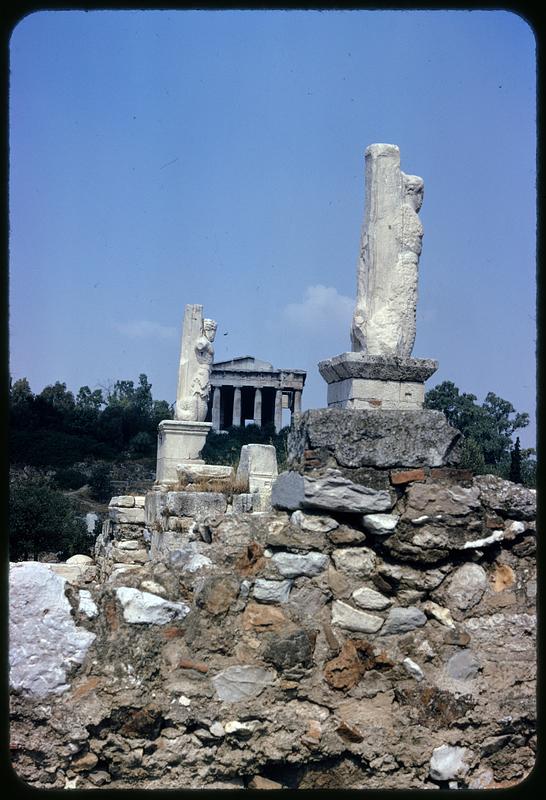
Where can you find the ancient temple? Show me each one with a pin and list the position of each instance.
(246, 389)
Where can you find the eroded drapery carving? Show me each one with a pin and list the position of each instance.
(385, 313)
(196, 357)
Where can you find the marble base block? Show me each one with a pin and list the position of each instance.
(178, 441)
(359, 381)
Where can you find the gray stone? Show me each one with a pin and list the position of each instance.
(466, 586)
(127, 516)
(370, 599)
(400, 620)
(313, 523)
(376, 438)
(44, 641)
(291, 648)
(147, 608)
(433, 499)
(294, 538)
(359, 561)
(122, 501)
(345, 616)
(243, 503)
(195, 504)
(463, 665)
(331, 491)
(507, 498)
(80, 559)
(448, 763)
(267, 591)
(412, 578)
(241, 682)
(380, 368)
(380, 524)
(290, 565)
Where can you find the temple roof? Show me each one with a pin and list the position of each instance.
(244, 363)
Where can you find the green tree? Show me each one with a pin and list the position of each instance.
(487, 428)
(42, 519)
(515, 463)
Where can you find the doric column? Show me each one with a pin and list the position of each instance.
(216, 408)
(297, 402)
(278, 410)
(237, 406)
(258, 407)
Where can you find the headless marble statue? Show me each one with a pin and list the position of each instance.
(196, 357)
(385, 314)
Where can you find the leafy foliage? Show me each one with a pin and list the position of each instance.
(488, 430)
(54, 428)
(42, 519)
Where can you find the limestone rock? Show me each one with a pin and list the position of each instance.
(195, 504)
(380, 524)
(449, 763)
(146, 608)
(122, 501)
(87, 605)
(331, 491)
(241, 682)
(313, 523)
(345, 616)
(269, 591)
(44, 641)
(401, 620)
(359, 561)
(506, 498)
(375, 438)
(290, 565)
(413, 669)
(465, 587)
(80, 559)
(463, 665)
(370, 599)
(126, 516)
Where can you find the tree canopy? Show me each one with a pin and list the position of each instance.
(488, 429)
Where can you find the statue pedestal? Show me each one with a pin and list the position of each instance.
(178, 442)
(360, 381)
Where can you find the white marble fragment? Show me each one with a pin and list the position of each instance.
(147, 608)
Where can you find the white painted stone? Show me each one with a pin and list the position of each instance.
(290, 565)
(87, 605)
(267, 591)
(380, 524)
(241, 682)
(413, 669)
(122, 501)
(448, 762)
(370, 599)
(196, 357)
(358, 561)
(345, 616)
(43, 638)
(385, 312)
(313, 523)
(144, 607)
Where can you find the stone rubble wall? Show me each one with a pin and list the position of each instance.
(382, 647)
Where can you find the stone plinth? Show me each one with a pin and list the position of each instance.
(178, 441)
(360, 381)
(382, 439)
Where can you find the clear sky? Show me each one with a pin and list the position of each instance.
(159, 158)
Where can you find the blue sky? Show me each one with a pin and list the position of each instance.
(159, 158)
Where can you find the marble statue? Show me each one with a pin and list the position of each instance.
(385, 313)
(196, 357)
